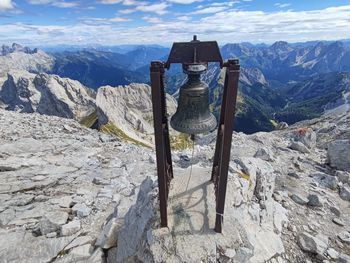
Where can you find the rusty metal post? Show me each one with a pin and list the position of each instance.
(224, 139)
(162, 142)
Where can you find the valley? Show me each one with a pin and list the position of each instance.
(278, 83)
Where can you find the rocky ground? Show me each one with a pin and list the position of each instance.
(71, 194)
(59, 182)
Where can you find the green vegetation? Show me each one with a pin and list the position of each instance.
(308, 109)
(274, 123)
(180, 142)
(90, 120)
(246, 177)
(110, 128)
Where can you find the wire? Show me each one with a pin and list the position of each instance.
(189, 178)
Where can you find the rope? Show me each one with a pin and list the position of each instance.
(189, 178)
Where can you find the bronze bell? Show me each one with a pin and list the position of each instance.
(193, 115)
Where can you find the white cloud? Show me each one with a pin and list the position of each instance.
(282, 5)
(209, 10)
(184, 18)
(119, 19)
(61, 4)
(184, 2)
(159, 9)
(225, 26)
(127, 11)
(6, 5)
(152, 19)
(123, 2)
(110, 2)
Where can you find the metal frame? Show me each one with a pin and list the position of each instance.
(161, 131)
(225, 129)
(224, 139)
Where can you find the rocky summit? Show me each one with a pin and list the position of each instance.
(73, 194)
(46, 94)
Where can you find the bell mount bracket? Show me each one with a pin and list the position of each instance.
(194, 52)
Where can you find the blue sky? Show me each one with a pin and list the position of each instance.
(114, 22)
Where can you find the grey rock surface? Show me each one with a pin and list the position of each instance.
(52, 221)
(48, 164)
(339, 154)
(311, 244)
(344, 192)
(46, 94)
(129, 108)
(70, 228)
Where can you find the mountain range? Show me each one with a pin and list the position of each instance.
(281, 82)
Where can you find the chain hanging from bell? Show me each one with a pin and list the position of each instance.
(193, 115)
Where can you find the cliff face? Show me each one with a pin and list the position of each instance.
(46, 94)
(129, 108)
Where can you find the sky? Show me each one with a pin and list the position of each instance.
(117, 22)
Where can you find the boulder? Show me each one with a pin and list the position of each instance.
(326, 180)
(282, 126)
(109, 235)
(344, 237)
(343, 177)
(81, 210)
(299, 146)
(136, 221)
(52, 221)
(264, 154)
(299, 199)
(70, 228)
(306, 136)
(339, 154)
(315, 200)
(344, 192)
(311, 244)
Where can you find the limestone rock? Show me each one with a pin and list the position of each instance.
(109, 234)
(82, 252)
(25, 59)
(46, 94)
(81, 210)
(64, 202)
(306, 136)
(79, 241)
(52, 221)
(315, 200)
(344, 237)
(335, 210)
(338, 221)
(339, 154)
(129, 109)
(343, 177)
(299, 146)
(282, 126)
(70, 228)
(311, 244)
(97, 256)
(299, 199)
(326, 180)
(136, 220)
(264, 154)
(344, 192)
(20, 246)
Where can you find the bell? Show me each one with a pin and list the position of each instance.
(193, 115)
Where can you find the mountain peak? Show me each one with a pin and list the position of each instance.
(15, 47)
(280, 45)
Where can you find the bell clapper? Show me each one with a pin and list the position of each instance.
(189, 178)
